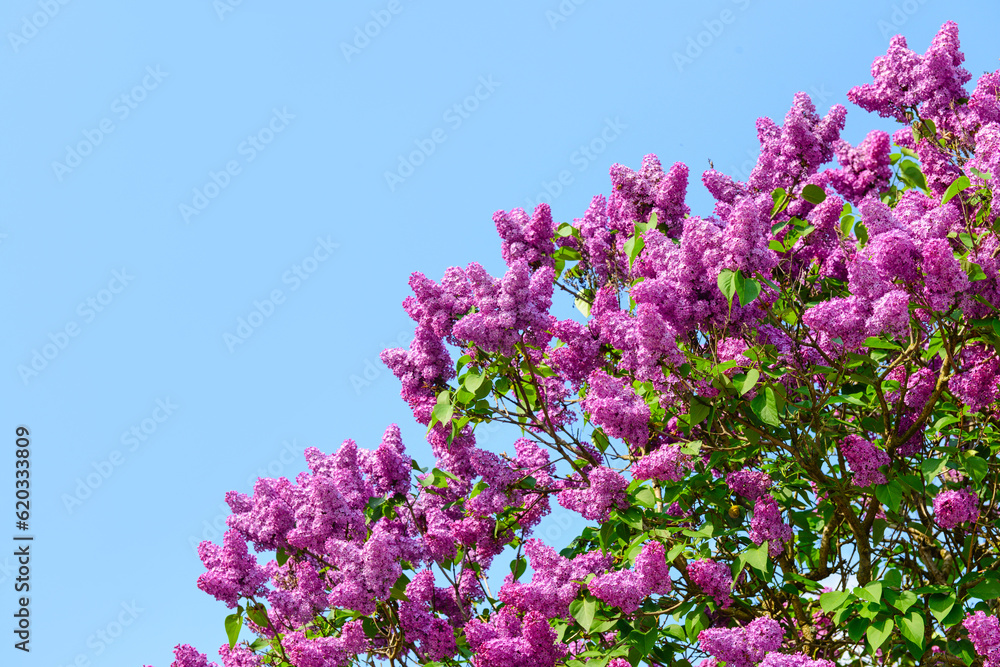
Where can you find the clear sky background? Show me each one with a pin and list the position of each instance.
(165, 165)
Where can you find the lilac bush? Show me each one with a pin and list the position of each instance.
(779, 422)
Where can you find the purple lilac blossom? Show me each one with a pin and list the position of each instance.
(613, 405)
(713, 579)
(232, 570)
(977, 383)
(864, 459)
(984, 631)
(606, 491)
(952, 508)
(767, 525)
(238, 656)
(751, 484)
(864, 170)
(666, 464)
(526, 238)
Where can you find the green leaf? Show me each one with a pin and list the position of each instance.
(757, 558)
(905, 600)
(780, 198)
(398, 591)
(892, 579)
(977, 468)
(517, 567)
(986, 590)
(912, 627)
(768, 405)
(646, 497)
(751, 380)
(959, 184)
(583, 611)
(834, 600)
(600, 440)
(940, 605)
(727, 284)
(975, 272)
(890, 495)
(931, 468)
(813, 194)
(443, 410)
(583, 306)
(861, 232)
(258, 615)
(747, 289)
(233, 624)
(856, 629)
(474, 380)
(698, 411)
(281, 556)
(871, 592)
(940, 424)
(633, 246)
(879, 344)
(694, 624)
(878, 632)
(912, 172)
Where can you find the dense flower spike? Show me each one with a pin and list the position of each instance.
(232, 571)
(952, 508)
(767, 525)
(984, 631)
(713, 579)
(864, 459)
(605, 491)
(812, 365)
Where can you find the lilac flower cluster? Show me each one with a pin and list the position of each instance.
(864, 459)
(743, 647)
(751, 484)
(768, 526)
(952, 508)
(713, 579)
(605, 490)
(668, 464)
(626, 589)
(984, 631)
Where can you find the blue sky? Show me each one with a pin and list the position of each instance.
(174, 169)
